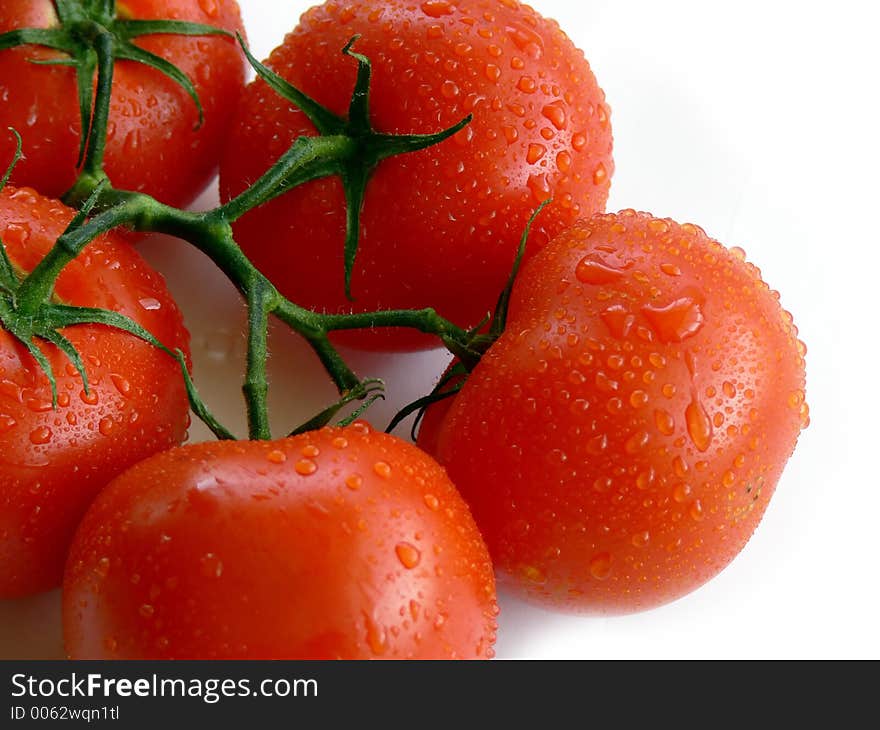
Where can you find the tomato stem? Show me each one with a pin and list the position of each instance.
(348, 148)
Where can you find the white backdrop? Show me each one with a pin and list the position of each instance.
(759, 121)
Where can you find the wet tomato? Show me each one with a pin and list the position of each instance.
(440, 227)
(54, 461)
(154, 143)
(619, 443)
(341, 543)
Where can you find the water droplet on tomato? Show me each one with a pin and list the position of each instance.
(150, 304)
(555, 112)
(106, 426)
(7, 423)
(436, 8)
(677, 321)
(619, 321)
(276, 457)
(699, 425)
(382, 469)
(408, 554)
(535, 153)
(376, 637)
(354, 482)
(121, 384)
(305, 467)
(592, 271)
(681, 493)
(665, 422)
(147, 611)
(641, 539)
(41, 436)
(600, 566)
(600, 174)
(211, 565)
(209, 7)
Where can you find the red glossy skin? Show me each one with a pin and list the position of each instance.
(338, 544)
(618, 452)
(54, 462)
(440, 227)
(153, 145)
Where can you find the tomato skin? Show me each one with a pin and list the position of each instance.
(440, 227)
(617, 451)
(53, 463)
(342, 543)
(153, 121)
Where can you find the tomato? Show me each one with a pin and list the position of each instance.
(341, 543)
(440, 227)
(153, 122)
(53, 462)
(619, 443)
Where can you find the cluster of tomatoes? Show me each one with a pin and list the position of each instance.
(613, 450)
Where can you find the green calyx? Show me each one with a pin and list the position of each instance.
(31, 320)
(91, 37)
(368, 147)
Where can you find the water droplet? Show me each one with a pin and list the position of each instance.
(555, 112)
(432, 502)
(493, 72)
(436, 8)
(409, 555)
(600, 566)
(603, 484)
(376, 637)
(526, 40)
(103, 567)
(670, 269)
(90, 398)
(699, 425)
(645, 479)
(619, 321)
(310, 452)
(592, 271)
(211, 565)
(681, 493)
(449, 89)
(600, 175)
(209, 7)
(40, 436)
(121, 385)
(382, 469)
(305, 467)
(696, 510)
(533, 574)
(276, 457)
(150, 304)
(535, 153)
(147, 611)
(675, 322)
(106, 426)
(641, 539)
(665, 422)
(7, 423)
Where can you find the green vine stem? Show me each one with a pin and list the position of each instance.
(348, 148)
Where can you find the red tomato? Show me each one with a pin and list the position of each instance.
(619, 444)
(440, 227)
(341, 543)
(153, 144)
(53, 462)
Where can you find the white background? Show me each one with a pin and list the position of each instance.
(759, 121)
